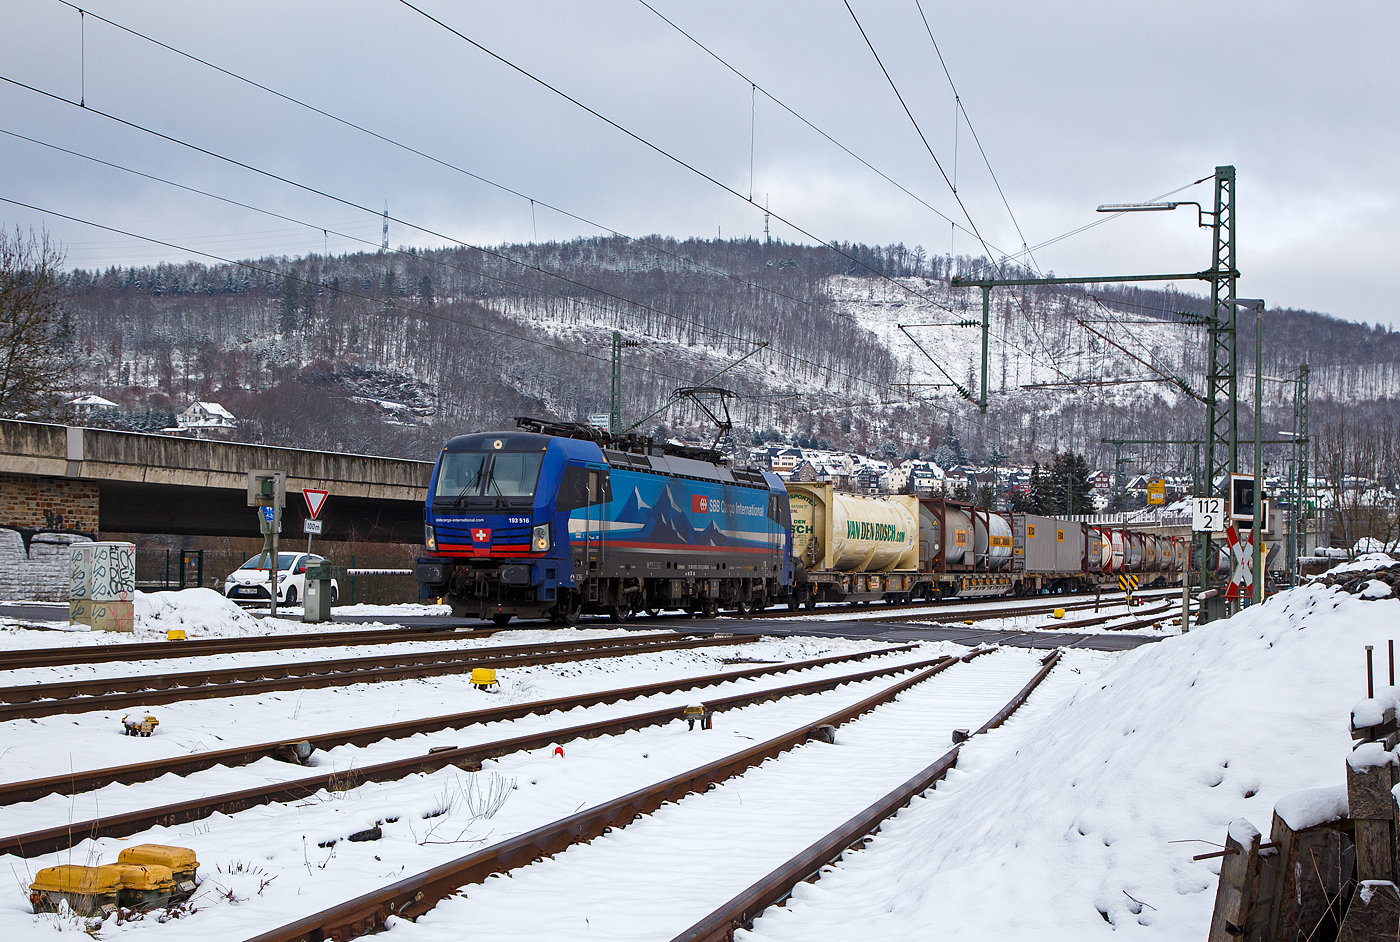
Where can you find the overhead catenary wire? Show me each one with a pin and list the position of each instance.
(315, 284)
(920, 131)
(534, 200)
(659, 249)
(959, 107)
(656, 148)
(313, 226)
(794, 113)
(810, 235)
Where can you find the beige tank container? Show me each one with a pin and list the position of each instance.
(837, 532)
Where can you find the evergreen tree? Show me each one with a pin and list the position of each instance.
(1071, 485)
(288, 318)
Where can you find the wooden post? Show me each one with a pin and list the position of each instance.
(1309, 883)
(1239, 874)
(1374, 914)
(1370, 777)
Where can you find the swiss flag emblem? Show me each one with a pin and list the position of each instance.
(699, 504)
(481, 535)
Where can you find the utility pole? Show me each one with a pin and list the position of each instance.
(1222, 374)
(1222, 377)
(615, 414)
(384, 243)
(1298, 479)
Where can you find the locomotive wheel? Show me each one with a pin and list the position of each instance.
(654, 612)
(502, 619)
(567, 611)
(794, 604)
(709, 608)
(742, 609)
(811, 602)
(621, 613)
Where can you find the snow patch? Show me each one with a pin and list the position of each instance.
(1312, 806)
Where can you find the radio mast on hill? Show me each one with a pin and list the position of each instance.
(384, 243)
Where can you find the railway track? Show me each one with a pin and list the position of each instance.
(75, 782)
(202, 647)
(35, 700)
(1068, 603)
(740, 911)
(49, 840)
(1010, 611)
(410, 898)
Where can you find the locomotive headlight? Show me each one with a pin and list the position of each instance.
(539, 538)
(429, 538)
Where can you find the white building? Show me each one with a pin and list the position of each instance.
(205, 419)
(85, 406)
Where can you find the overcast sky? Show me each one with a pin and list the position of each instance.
(1076, 104)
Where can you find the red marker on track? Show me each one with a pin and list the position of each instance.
(559, 751)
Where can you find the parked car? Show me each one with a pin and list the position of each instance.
(248, 583)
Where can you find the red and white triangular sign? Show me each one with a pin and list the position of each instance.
(315, 500)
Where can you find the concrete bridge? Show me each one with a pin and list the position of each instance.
(65, 479)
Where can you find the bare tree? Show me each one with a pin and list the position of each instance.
(36, 341)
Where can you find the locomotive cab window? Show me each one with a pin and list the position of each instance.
(465, 478)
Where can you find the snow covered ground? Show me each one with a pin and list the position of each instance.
(427, 819)
(1077, 818)
(1083, 823)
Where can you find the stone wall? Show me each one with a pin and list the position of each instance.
(41, 573)
(32, 502)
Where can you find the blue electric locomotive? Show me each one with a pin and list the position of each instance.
(553, 520)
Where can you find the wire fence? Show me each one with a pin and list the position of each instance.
(367, 573)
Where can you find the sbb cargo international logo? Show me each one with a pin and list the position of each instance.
(699, 504)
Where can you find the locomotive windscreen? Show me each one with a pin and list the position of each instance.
(467, 474)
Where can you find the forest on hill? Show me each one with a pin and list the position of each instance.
(392, 352)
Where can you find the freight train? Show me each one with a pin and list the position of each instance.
(554, 520)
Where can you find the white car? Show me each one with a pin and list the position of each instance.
(248, 583)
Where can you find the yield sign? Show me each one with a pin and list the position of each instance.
(315, 500)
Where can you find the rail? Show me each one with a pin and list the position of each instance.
(71, 783)
(65, 836)
(417, 894)
(35, 700)
(1068, 602)
(205, 647)
(741, 910)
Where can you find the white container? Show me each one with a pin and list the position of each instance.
(102, 572)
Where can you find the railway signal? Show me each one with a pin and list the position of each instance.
(1129, 585)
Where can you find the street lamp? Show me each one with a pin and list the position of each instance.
(1157, 208)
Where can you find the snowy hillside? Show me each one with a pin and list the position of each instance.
(389, 352)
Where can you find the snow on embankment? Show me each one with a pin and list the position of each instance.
(1065, 827)
(200, 613)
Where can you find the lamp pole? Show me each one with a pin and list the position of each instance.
(1221, 401)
